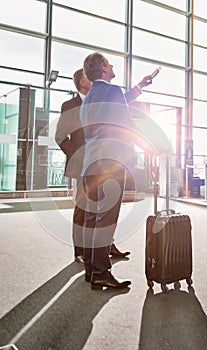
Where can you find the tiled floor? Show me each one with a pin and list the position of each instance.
(46, 304)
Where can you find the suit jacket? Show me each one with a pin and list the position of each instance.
(132, 94)
(69, 125)
(105, 117)
(70, 136)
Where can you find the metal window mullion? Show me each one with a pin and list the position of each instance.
(128, 44)
(33, 86)
(152, 32)
(189, 73)
(178, 136)
(21, 70)
(166, 7)
(88, 46)
(86, 13)
(200, 19)
(160, 63)
(48, 41)
(23, 31)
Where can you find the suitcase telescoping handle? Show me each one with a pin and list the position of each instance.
(167, 180)
(155, 175)
(155, 163)
(166, 212)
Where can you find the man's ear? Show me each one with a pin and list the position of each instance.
(103, 67)
(81, 83)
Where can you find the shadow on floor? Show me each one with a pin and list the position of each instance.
(172, 321)
(56, 316)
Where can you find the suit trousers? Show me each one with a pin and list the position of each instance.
(79, 216)
(103, 201)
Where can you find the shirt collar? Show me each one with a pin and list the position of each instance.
(82, 96)
(105, 81)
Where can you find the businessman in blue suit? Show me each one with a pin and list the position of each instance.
(108, 128)
(69, 135)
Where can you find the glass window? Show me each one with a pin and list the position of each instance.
(165, 118)
(18, 77)
(199, 141)
(159, 20)
(93, 31)
(56, 165)
(200, 8)
(21, 51)
(200, 86)
(9, 110)
(161, 99)
(57, 98)
(30, 14)
(112, 9)
(140, 69)
(199, 169)
(64, 84)
(158, 48)
(53, 119)
(200, 113)
(200, 59)
(199, 29)
(183, 132)
(165, 82)
(5, 89)
(67, 59)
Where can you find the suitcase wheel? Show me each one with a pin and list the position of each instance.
(164, 288)
(189, 281)
(150, 284)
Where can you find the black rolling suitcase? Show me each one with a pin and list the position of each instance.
(168, 251)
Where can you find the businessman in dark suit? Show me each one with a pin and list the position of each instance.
(108, 129)
(70, 137)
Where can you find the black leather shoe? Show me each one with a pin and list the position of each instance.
(109, 282)
(88, 276)
(115, 253)
(79, 259)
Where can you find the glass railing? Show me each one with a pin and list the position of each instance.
(9, 116)
(29, 157)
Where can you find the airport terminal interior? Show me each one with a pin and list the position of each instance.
(45, 303)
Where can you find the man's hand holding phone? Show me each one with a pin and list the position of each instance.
(147, 80)
(156, 72)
